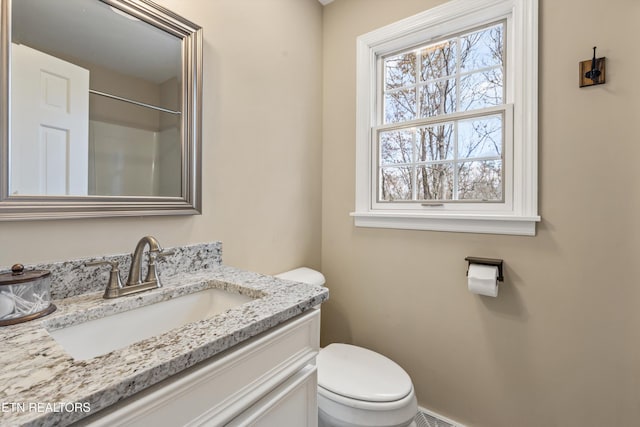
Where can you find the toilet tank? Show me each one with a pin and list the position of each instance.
(304, 275)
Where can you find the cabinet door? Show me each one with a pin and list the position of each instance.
(293, 403)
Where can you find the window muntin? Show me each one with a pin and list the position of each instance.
(442, 135)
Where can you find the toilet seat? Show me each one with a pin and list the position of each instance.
(358, 387)
(338, 411)
(363, 404)
(361, 374)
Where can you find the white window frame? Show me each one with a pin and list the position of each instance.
(517, 214)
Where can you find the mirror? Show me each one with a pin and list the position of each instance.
(101, 110)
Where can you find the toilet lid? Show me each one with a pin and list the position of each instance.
(361, 374)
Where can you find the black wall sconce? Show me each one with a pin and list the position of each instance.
(592, 71)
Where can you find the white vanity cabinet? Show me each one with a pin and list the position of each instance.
(269, 381)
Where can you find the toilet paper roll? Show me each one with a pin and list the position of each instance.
(482, 280)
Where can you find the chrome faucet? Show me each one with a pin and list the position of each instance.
(135, 284)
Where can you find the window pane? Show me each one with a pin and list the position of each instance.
(480, 137)
(395, 184)
(438, 61)
(396, 147)
(482, 49)
(480, 180)
(481, 90)
(435, 143)
(400, 106)
(400, 71)
(435, 182)
(438, 98)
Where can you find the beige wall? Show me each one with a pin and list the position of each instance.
(559, 346)
(261, 148)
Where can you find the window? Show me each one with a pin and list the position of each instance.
(447, 120)
(441, 136)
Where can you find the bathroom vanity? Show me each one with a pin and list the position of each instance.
(251, 362)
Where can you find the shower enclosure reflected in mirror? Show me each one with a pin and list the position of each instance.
(101, 109)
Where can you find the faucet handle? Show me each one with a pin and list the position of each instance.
(152, 272)
(115, 282)
(162, 253)
(113, 264)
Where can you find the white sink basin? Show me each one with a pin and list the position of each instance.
(101, 336)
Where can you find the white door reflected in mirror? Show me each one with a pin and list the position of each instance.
(50, 118)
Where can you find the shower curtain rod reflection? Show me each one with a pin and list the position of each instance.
(131, 101)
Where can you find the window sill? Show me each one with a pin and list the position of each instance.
(461, 223)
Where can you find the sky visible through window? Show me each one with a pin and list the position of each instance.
(437, 157)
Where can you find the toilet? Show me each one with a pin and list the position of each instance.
(358, 387)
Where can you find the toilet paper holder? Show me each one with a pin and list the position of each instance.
(486, 261)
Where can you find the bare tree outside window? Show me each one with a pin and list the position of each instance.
(436, 157)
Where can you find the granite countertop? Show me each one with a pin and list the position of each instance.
(39, 379)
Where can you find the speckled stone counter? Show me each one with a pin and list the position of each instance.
(40, 382)
(69, 278)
